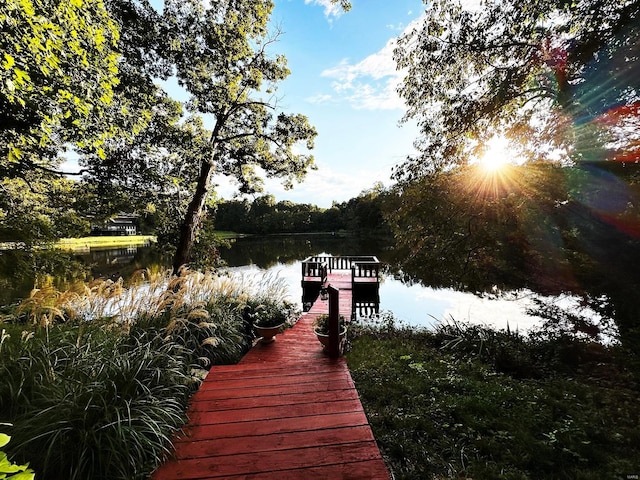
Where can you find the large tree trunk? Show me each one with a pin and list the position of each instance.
(192, 219)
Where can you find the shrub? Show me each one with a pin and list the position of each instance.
(102, 406)
(97, 380)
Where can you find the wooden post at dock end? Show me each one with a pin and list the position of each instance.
(333, 349)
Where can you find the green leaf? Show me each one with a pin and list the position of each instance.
(8, 61)
(28, 475)
(4, 438)
(6, 466)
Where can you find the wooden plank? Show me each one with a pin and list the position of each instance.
(273, 442)
(366, 470)
(268, 426)
(273, 380)
(285, 411)
(289, 389)
(288, 411)
(253, 370)
(262, 462)
(238, 403)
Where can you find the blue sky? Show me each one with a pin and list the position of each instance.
(343, 78)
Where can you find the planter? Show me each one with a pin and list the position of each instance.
(324, 338)
(267, 334)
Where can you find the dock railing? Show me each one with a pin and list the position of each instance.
(365, 271)
(340, 263)
(365, 280)
(314, 271)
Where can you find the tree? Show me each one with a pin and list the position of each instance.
(546, 73)
(37, 212)
(58, 69)
(221, 58)
(58, 75)
(142, 169)
(474, 230)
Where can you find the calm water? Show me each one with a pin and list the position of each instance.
(281, 256)
(415, 305)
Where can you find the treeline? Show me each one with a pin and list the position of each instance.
(264, 215)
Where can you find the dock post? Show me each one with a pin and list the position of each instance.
(333, 349)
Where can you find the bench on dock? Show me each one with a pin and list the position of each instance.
(314, 272)
(365, 271)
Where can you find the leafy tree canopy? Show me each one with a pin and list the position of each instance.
(58, 71)
(554, 75)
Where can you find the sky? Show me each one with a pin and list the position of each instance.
(343, 78)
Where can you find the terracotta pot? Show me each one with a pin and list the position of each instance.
(324, 339)
(267, 334)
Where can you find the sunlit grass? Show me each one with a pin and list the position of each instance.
(103, 241)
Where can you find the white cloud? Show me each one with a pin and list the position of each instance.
(372, 83)
(321, 187)
(331, 10)
(319, 98)
(397, 28)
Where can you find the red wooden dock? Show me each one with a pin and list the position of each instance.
(285, 411)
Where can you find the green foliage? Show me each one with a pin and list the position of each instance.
(222, 59)
(97, 381)
(82, 391)
(57, 76)
(41, 211)
(537, 226)
(542, 73)
(362, 214)
(321, 324)
(10, 470)
(271, 312)
(450, 403)
(473, 230)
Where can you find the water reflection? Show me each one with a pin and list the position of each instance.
(414, 304)
(281, 256)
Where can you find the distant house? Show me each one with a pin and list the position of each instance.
(122, 224)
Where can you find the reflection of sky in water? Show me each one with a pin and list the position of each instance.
(422, 306)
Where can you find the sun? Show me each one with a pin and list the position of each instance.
(497, 155)
(495, 172)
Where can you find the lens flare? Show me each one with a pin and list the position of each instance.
(497, 154)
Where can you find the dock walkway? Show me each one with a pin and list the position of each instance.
(285, 411)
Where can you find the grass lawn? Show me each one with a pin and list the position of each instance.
(104, 241)
(118, 241)
(492, 405)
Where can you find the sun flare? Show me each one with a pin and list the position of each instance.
(496, 173)
(497, 154)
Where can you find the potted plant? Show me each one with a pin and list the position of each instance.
(321, 329)
(269, 319)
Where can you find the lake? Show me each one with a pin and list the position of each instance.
(414, 304)
(281, 256)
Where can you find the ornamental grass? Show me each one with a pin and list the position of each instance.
(95, 381)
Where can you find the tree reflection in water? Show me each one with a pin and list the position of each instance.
(410, 298)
